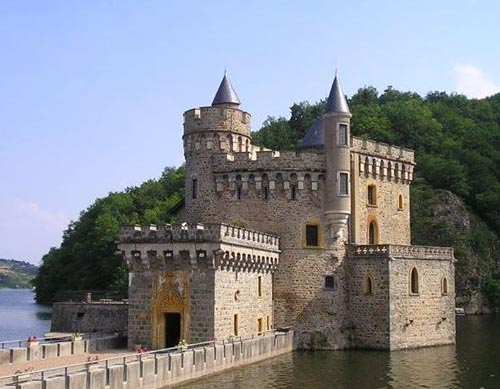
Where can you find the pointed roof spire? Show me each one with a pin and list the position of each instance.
(226, 93)
(336, 102)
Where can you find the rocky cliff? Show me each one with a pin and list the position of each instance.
(441, 218)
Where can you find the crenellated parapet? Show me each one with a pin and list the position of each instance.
(269, 160)
(209, 246)
(400, 251)
(220, 128)
(180, 233)
(383, 161)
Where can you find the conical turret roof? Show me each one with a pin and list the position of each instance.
(336, 102)
(226, 93)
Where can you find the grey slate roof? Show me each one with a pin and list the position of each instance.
(336, 102)
(226, 93)
(315, 136)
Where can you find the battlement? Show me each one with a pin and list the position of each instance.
(382, 150)
(400, 252)
(200, 233)
(269, 160)
(215, 119)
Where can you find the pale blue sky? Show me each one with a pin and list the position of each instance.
(92, 92)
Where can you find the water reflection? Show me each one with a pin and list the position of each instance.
(434, 367)
(472, 363)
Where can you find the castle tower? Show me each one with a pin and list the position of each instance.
(337, 119)
(220, 128)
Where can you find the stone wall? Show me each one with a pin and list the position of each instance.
(392, 316)
(393, 221)
(426, 318)
(237, 293)
(89, 317)
(196, 270)
(158, 370)
(369, 307)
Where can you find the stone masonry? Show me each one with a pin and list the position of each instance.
(343, 272)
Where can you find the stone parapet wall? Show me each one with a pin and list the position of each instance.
(400, 251)
(269, 161)
(180, 233)
(158, 369)
(382, 150)
(213, 119)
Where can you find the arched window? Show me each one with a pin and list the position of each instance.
(368, 285)
(414, 281)
(400, 202)
(444, 286)
(372, 194)
(373, 232)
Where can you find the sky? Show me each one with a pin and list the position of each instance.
(92, 91)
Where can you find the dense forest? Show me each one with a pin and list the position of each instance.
(455, 195)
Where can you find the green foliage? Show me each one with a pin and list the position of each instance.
(16, 274)
(457, 140)
(490, 286)
(86, 258)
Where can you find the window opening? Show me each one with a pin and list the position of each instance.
(312, 235)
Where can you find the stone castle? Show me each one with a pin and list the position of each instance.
(317, 239)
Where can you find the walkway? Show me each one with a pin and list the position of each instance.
(61, 361)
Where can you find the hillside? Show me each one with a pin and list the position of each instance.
(16, 274)
(455, 196)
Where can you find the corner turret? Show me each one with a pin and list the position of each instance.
(336, 122)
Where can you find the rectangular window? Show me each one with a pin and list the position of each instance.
(312, 238)
(259, 325)
(329, 282)
(268, 323)
(372, 195)
(343, 134)
(194, 188)
(235, 325)
(259, 286)
(343, 184)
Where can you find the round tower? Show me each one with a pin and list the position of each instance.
(209, 133)
(336, 121)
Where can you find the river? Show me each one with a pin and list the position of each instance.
(473, 363)
(20, 316)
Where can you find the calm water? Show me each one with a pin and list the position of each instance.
(20, 317)
(473, 363)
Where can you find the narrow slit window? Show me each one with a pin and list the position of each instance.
(259, 325)
(194, 188)
(444, 286)
(235, 325)
(414, 281)
(238, 192)
(372, 195)
(266, 193)
(259, 286)
(294, 192)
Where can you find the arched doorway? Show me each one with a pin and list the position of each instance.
(170, 316)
